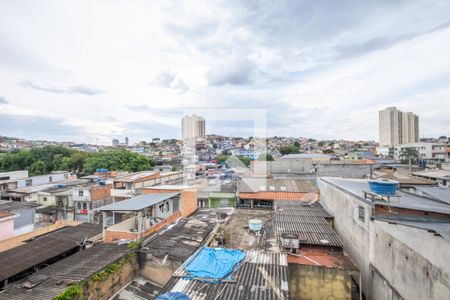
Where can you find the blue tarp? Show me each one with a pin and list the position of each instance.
(214, 263)
(173, 296)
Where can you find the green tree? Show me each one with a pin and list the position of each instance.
(222, 158)
(289, 149)
(245, 160)
(38, 168)
(265, 157)
(327, 151)
(409, 153)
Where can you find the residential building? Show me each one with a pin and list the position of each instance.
(262, 192)
(310, 166)
(8, 185)
(24, 215)
(193, 127)
(400, 243)
(130, 185)
(143, 215)
(431, 152)
(397, 127)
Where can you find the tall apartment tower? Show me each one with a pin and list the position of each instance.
(410, 128)
(397, 127)
(192, 127)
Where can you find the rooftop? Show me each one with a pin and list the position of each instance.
(254, 185)
(238, 235)
(138, 203)
(437, 193)
(356, 187)
(184, 238)
(51, 281)
(307, 155)
(261, 276)
(321, 257)
(134, 176)
(44, 248)
(308, 223)
(435, 174)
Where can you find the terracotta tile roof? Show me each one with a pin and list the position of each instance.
(280, 196)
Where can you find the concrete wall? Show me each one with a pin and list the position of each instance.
(413, 261)
(6, 228)
(155, 271)
(354, 233)
(43, 179)
(104, 290)
(395, 261)
(308, 168)
(319, 283)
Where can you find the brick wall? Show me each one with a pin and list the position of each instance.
(188, 202)
(101, 192)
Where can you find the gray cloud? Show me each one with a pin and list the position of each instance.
(383, 42)
(169, 80)
(37, 127)
(234, 71)
(76, 89)
(3, 100)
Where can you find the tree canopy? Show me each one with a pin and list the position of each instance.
(54, 158)
(289, 149)
(265, 157)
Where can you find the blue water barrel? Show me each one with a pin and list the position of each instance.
(383, 187)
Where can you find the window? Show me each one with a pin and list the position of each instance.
(50, 179)
(80, 193)
(78, 205)
(45, 198)
(361, 213)
(29, 182)
(84, 205)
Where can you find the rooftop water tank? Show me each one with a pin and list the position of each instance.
(255, 224)
(383, 187)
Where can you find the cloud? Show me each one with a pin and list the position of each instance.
(76, 89)
(3, 101)
(37, 127)
(169, 80)
(233, 71)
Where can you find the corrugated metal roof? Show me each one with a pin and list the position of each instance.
(262, 276)
(280, 196)
(43, 248)
(138, 203)
(55, 278)
(252, 185)
(309, 223)
(184, 238)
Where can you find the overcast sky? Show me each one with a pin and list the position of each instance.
(82, 70)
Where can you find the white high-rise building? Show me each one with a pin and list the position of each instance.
(397, 127)
(192, 127)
